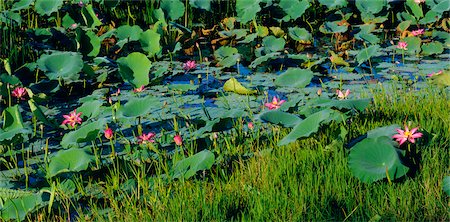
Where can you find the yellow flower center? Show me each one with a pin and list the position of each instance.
(408, 134)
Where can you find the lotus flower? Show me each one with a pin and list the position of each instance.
(140, 89)
(108, 133)
(178, 140)
(19, 93)
(275, 104)
(402, 45)
(404, 135)
(80, 4)
(417, 32)
(435, 73)
(342, 95)
(419, 1)
(72, 119)
(189, 65)
(146, 138)
(250, 125)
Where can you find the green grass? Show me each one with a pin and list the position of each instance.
(307, 180)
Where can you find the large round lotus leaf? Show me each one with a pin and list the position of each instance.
(89, 42)
(246, 10)
(299, 34)
(22, 4)
(189, 166)
(201, 4)
(413, 45)
(61, 65)
(273, 44)
(446, 185)
(232, 85)
(18, 208)
(371, 159)
(85, 133)
(432, 48)
(370, 6)
(71, 160)
(294, 8)
(416, 9)
(46, 7)
(150, 42)
(89, 17)
(279, 117)
(332, 4)
(128, 32)
(173, 8)
(135, 69)
(227, 56)
(295, 77)
(367, 53)
(139, 106)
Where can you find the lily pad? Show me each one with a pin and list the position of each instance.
(232, 85)
(46, 7)
(282, 118)
(150, 42)
(61, 65)
(135, 69)
(295, 77)
(273, 44)
(374, 158)
(174, 9)
(246, 9)
(85, 133)
(189, 166)
(71, 160)
(139, 106)
(299, 34)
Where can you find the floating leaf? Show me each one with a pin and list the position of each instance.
(295, 77)
(189, 166)
(89, 17)
(46, 7)
(374, 158)
(126, 33)
(247, 9)
(282, 118)
(71, 160)
(135, 69)
(294, 8)
(273, 44)
(358, 104)
(308, 126)
(367, 53)
(61, 65)
(18, 208)
(432, 48)
(139, 106)
(263, 58)
(150, 42)
(86, 133)
(232, 85)
(174, 9)
(299, 34)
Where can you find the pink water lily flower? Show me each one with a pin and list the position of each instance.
(419, 1)
(250, 125)
(417, 32)
(72, 119)
(178, 140)
(275, 104)
(402, 45)
(19, 93)
(404, 135)
(189, 65)
(138, 90)
(108, 133)
(342, 95)
(146, 138)
(435, 73)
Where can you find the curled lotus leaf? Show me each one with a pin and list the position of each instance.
(61, 65)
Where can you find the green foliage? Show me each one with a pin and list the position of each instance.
(273, 44)
(188, 167)
(227, 56)
(294, 8)
(90, 19)
(232, 85)
(139, 106)
(89, 42)
(61, 66)
(334, 4)
(71, 160)
(432, 48)
(413, 45)
(18, 208)
(247, 9)
(374, 158)
(201, 4)
(135, 69)
(86, 133)
(150, 42)
(367, 53)
(446, 185)
(299, 34)
(295, 77)
(174, 9)
(281, 118)
(45, 7)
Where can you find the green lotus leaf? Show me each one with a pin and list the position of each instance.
(150, 42)
(89, 17)
(46, 7)
(295, 77)
(189, 166)
(71, 160)
(39, 114)
(18, 208)
(86, 133)
(446, 185)
(201, 4)
(232, 85)
(139, 106)
(413, 47)
(294, 8)
(432, 48)
(12, 118)
(334, 4)
(126, 33)
(89, 42)
(246, 10)
(282, 118)
(374, 158)
(227, 56)
(416, 9)
(370, 6)
(258, 61)
(333, 27)
(67, 21)
(430, 17)
(442, 6)
(388, 131)
(135, 69)
(249, 38)
(182, 87)
(273, 44)
(299, 34)
(110, 3)
(90, 109)
(367, 53)
(366, 34)
(61, 65)
(442, 79)
(403, 26)
(22, 4)
(348, 104)
(262, 31)
(174, 9)
(309, 126)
